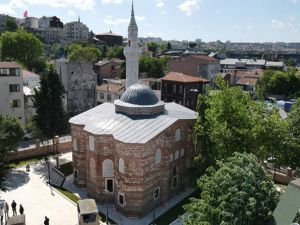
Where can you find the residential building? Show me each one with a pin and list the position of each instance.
(76, 31)
(182, 89)
(11, 90)
(79, 81)
(196, 65)
(134, 152)
(3, 19)
(50, 22)
(31, 22)
(110, 38)
(109, 92)
(31, 80)
(108, 69)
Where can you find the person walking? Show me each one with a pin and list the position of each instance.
(6, 210)
(14, 207)
(1, 215)
(21, 210)
(46, 221)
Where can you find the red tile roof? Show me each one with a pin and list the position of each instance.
(247, 81)
(204, 58)
(180, 77)
(28, 74)
(7, 65)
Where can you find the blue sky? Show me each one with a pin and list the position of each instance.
(210, 20)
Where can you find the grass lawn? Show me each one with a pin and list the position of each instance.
(18, 164)
(173, 213)
(68, 194)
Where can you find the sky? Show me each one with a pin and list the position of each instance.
(209, 20)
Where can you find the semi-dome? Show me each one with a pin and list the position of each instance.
(139, 94)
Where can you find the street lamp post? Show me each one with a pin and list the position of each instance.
(56, 143)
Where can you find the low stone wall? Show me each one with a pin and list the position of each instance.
(34, 152)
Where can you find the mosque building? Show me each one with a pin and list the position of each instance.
(133, 152)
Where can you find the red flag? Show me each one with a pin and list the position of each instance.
(25, 14)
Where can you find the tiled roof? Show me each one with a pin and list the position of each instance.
(204, 57)
(8, 65)
(254, 73)
(111, 88)
(103, 120)
(108, 33)
(28, 74)
(180, 77)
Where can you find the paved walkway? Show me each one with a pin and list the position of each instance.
(39, 199)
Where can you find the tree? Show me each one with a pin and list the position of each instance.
(192, 44)
(50, 116)
(237, 192)
(116, 52)
(152, 47)
(169, 46)
(294, 129)
(78, 53)
(22, 47)
(280, 83)
(11, 133)
(11, 24)
(154, 67)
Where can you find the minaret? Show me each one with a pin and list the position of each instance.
(132, 52)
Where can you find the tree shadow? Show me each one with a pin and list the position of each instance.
(15, 179)
(42, 170)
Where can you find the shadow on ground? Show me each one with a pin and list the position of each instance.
(41, 169)
(15, 179)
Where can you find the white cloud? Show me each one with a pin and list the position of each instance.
(160, 4)
(12, 5)
(71, 13)
(189, 6)
(140, 18)
(163, 12)
(277, 24)
(295, 1)
(218, 11)
(105, 2)
(109, 20)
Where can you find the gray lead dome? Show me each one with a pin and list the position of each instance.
(139, 94)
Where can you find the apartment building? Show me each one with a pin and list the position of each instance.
(76, 31)
(11, 90)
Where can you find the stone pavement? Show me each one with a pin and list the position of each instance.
(37, 198)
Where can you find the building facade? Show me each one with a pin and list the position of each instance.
(79, 81)
(110, 38)
(133, 152)
(196, 65)
(182, 89)
(76, 31)
(108, 69)
(11, 91)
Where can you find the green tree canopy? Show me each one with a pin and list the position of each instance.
(11, 133)
(11, 24)
(152, 47)
(192, 44)
(155, 67)
(280, 83)
(24, 48)
(50, 116)
(78, 53)
(116, 52)
(238, 192)
(229, 121)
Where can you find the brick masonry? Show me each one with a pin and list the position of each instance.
(141, 174)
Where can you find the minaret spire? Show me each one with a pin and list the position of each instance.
(132, 52)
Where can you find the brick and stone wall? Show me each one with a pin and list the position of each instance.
(35, 152)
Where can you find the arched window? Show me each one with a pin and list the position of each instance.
(171, 157)
(92, 143)
(182, 152)
(108, 168)
(176, 154)
(121, 165)
(92, 169)
(177, 135)
(157, 156)
(74, 144)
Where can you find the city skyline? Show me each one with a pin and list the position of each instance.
(209, 20)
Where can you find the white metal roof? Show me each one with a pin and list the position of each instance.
(103, 120)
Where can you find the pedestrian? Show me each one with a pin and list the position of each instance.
(6, 209)
(21, 210)
(1, 215)
(14, 207)
(46, 221)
